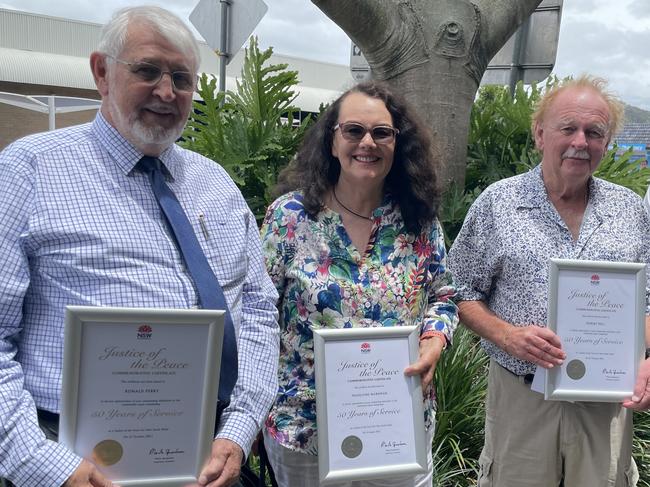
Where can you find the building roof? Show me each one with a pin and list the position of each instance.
(43, 50)
(635, 133)
(41, 68)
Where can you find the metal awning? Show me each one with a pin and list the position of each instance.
(50, 104)
(40, 68)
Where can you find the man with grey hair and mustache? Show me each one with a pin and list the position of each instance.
(85, 219)
(500, 262)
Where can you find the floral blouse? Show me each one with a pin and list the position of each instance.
(325, 282)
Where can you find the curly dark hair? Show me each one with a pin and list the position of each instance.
(412, 180)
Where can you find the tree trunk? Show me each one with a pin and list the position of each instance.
(435, 52)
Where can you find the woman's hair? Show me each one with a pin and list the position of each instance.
(114, 34)
(412, 180)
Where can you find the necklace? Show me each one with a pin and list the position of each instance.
(348, 209)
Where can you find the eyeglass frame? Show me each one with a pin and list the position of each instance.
(367, 130)
(162, 73)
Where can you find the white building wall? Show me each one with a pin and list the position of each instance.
(43, 55)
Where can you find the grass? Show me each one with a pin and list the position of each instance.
(461, 385)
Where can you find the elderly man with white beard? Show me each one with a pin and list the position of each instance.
(81, 224)
(500, 263)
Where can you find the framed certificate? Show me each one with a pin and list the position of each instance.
(370, 415)
(598, 311)
(140, 391)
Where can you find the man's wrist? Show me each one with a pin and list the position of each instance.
(238, 428)
(53, 464)
(506, 338)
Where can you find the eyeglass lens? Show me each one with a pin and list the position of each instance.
(150, 73)
(354, 132)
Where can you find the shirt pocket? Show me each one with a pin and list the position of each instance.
(224, 240)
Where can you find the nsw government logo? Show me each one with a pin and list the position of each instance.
(144, 332)
(365, 347)
(595, 279)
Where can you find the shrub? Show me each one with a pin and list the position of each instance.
(253, 131)
(461, 385)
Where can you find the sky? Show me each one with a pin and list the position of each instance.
(600, 37)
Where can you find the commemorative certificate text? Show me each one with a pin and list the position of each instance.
(139, 393)
(370, 415)
(598, 311)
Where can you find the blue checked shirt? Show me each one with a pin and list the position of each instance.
(80, 226)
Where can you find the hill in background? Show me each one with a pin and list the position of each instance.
(636, 115)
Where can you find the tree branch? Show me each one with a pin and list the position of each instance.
(389, 33)
(360, 18)
(503, 17)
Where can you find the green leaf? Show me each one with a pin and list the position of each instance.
(621, 171)
(250, 131)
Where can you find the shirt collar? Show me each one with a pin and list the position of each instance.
(125, 155)
(601, 202)
(533, 191)
(534, 195)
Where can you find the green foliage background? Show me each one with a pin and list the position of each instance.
(253, 132)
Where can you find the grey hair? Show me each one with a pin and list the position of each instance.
(584, 81)
(165, 23)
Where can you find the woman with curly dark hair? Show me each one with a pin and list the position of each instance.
(354, 242)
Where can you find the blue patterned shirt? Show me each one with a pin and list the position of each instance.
(80, 226)
(511, 231)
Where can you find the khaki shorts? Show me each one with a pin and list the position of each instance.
(530, 442)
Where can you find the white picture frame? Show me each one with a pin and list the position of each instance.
(598, 311)
(383, 415)
(141, 384)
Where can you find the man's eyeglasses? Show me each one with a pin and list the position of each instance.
(151, 74)
(355, 132)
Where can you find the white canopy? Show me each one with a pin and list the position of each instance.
(50, 104)
(40, 68)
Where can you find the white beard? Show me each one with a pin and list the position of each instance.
(140, 133)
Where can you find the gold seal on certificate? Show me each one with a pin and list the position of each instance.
(139, 391)
(597, 310)
(576, 369)
(352, 446)
(107, 452)
(376, 429)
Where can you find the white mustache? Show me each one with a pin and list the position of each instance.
(576, 154)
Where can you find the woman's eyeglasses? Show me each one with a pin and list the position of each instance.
(152, 74)
(354, 132)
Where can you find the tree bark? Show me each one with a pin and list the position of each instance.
(435, 53)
